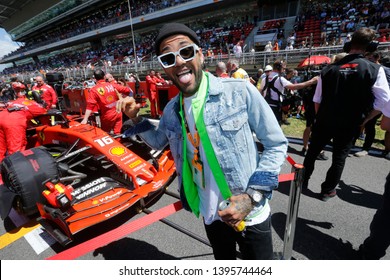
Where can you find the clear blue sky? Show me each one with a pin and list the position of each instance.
(6, 45)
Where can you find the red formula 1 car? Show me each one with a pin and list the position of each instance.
(76, 175)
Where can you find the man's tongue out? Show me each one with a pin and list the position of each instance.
(185, 78)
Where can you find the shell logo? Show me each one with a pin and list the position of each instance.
(27, 103)
(117, 151)
(94, 202)
(110, 98)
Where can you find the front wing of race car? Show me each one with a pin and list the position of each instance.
(99, 177)
(65, 215)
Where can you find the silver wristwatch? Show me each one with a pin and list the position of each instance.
(255, 195)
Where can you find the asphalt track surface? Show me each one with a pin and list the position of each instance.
(331, 230)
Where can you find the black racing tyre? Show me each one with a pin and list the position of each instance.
(24, 174)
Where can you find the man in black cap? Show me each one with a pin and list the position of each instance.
(209, 128)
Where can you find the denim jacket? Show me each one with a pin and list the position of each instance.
(234, 112)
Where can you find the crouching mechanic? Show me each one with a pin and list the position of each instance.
(209, 128)
(14, 120)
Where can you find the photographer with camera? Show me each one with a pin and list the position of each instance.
(274, 86)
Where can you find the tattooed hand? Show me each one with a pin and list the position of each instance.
(239, 208)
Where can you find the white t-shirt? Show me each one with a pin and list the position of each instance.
(386, 110)
(280, 84)
(210, 196)
(380, 89)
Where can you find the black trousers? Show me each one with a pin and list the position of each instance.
(255, 242)
(375, 246)
(277, 109)
(370, 132)
(342, 144)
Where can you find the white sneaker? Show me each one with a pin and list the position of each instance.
(362, 153)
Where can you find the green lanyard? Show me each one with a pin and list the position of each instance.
(190, 189)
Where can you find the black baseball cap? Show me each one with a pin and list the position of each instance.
(173, 29)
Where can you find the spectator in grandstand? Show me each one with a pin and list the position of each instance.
(385, 15)
(273, 88)
(342, 26)
(14, 121)
(340, 106)
(221, 70)
(289, 47)
(233, 68)
(237, 50)
(323, 32)
(375, 245)
(369, 125)
(213, 163)
(252, 55)
(104, 96)
(291, 39)
(275, 46)
(48, 94)
(151, 83)
(210, 55)
(268, 47)
(303, 45)
(338, 42)
(348, 38)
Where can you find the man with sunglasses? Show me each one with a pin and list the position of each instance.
(209, 127)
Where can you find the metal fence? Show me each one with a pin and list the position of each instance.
(248, 61)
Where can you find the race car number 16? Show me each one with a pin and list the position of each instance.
(106, 140)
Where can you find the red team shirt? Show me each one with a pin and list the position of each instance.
(103, 96)
(48, 94)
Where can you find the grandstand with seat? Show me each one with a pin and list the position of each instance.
(74, 36)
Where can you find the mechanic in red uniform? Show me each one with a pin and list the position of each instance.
(104, 96)
(161, 79)
(120, 88)
(48, 94)
(151, 82)
(14, 120)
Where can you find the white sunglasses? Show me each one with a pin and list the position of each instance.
(186, 53)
